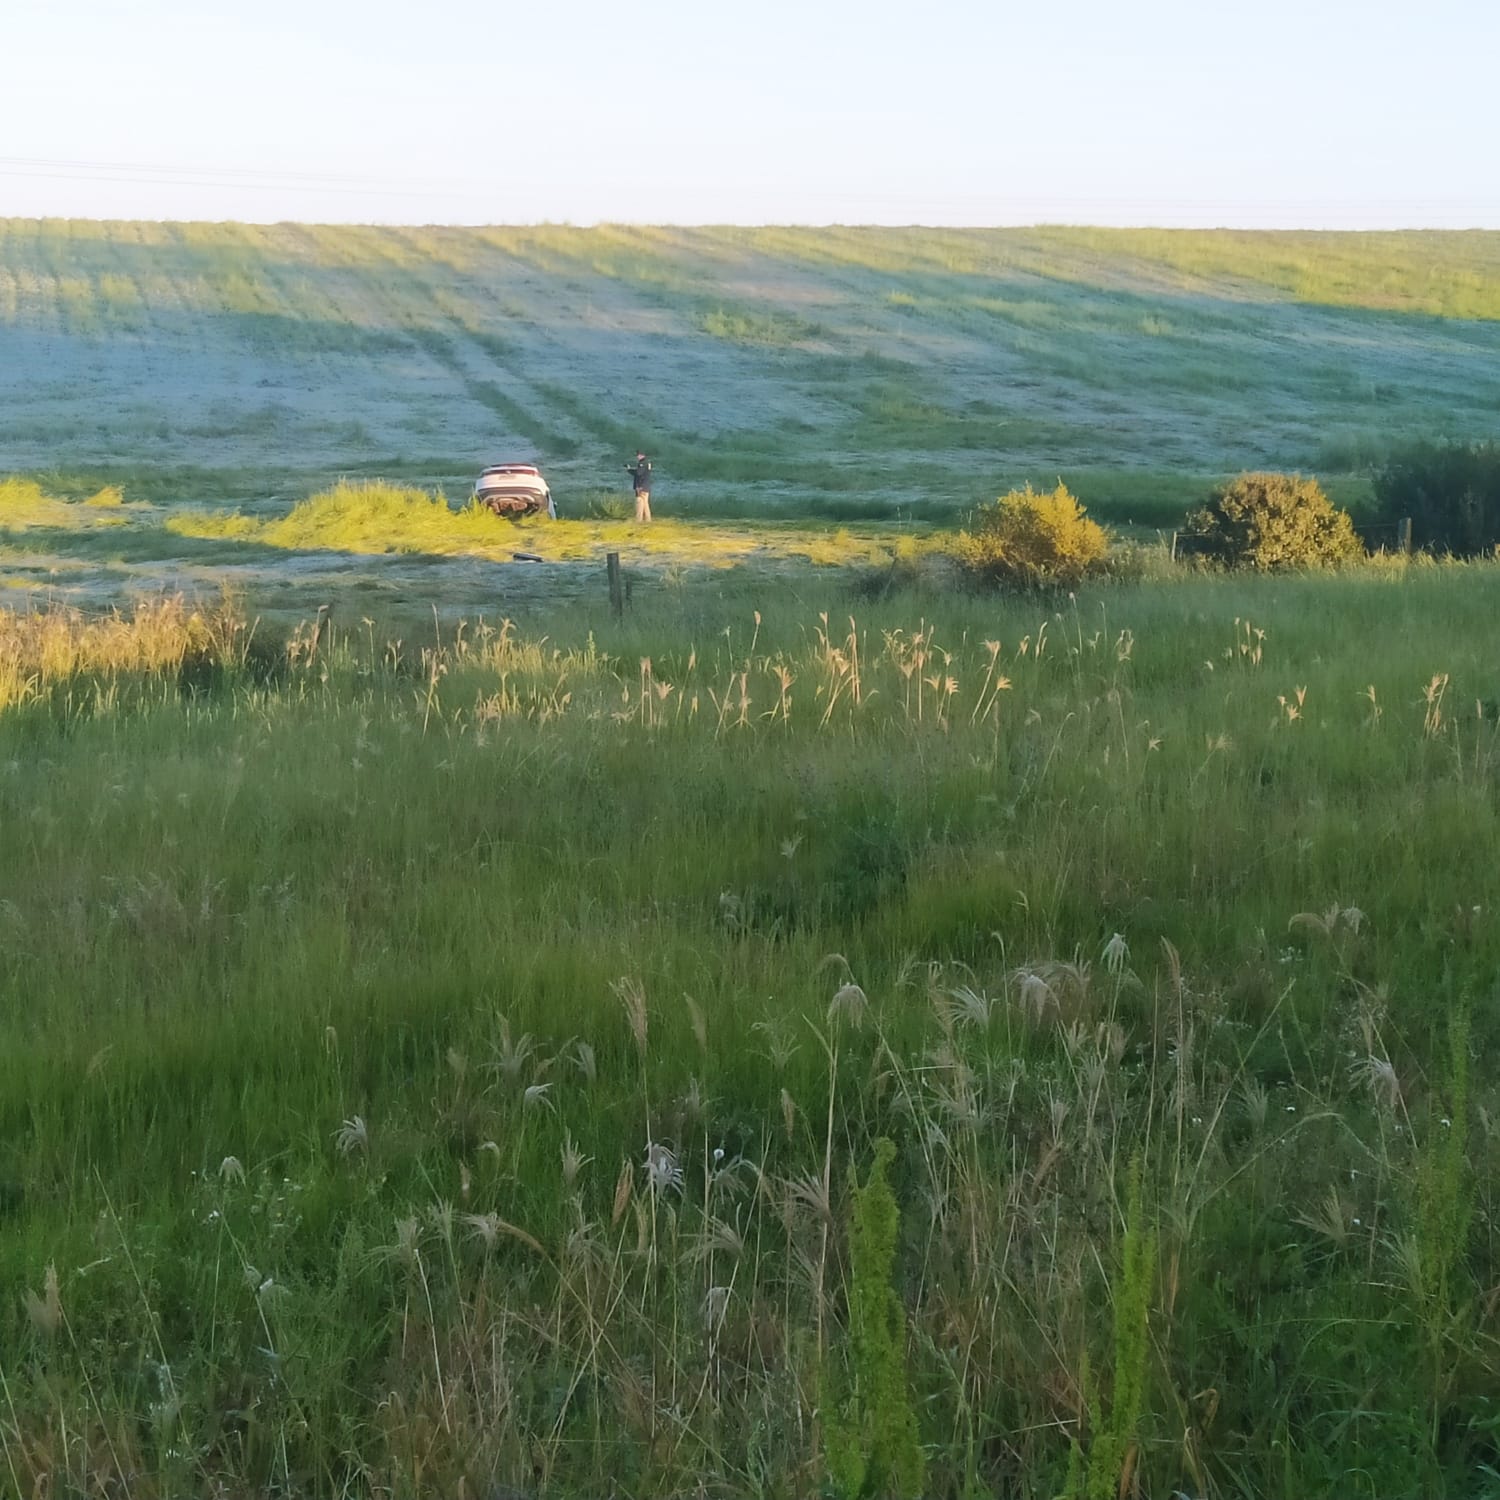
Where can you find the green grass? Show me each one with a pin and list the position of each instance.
(367, 982)
(349, 978)
(1454, 275)
(920, 367)
(771, 330)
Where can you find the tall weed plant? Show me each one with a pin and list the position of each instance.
(870, 1433)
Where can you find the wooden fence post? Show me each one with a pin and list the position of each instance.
(616, 594)
(1403, 534)
(1174, 547)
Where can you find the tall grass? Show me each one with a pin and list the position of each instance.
(376, 517)
(25, 504)
(441, 1064)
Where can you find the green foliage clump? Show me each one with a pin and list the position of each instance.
(870, 1437)
(1113, 1440)
(1270, 521)
(1034, 540)
(1451, 492)
(753, 326)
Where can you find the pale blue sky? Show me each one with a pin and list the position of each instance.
(1289, 112)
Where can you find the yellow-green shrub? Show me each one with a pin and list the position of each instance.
(1034, 539)
(1276, 521)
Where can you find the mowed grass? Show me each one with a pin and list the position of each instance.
(890, 371)
(431, 1066)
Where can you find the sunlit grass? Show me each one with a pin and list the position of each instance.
(1446, 275)
(380, 518)
(24, 504)
(486, 1028)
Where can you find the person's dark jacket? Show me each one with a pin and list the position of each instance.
(640, 474)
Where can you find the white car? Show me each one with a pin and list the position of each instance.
(515, 490)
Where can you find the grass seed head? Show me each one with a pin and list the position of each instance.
(573, 1161)
(715, 1305)
(352, 1136)
(1255, 1101)
(851, 1001)
(45, 1312)
(1379, 1076)
(1035, 994)
(511, 1057)
(484, 1227)
(699, 1023)
(624, 1187)
(1116, 953)
(406, 1249)
(808, 1192)
(632, 996)
(663, 1174)
(585, 1061)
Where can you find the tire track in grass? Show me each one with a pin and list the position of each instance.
(650, 286)
(445, 349)
(394, 275)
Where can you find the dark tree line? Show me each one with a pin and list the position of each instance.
(1451, 491)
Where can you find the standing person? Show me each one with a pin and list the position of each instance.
(640, 474)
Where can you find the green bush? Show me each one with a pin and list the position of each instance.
(1034, 540)
(1275, 521)
(1451, 492)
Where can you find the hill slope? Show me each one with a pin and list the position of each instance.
(835, 368)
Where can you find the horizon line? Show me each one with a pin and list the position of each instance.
(972, 226)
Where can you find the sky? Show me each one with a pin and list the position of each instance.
(1285, 113)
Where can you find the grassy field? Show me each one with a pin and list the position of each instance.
(443, 1025)
(842, 374)
(437, 1065)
